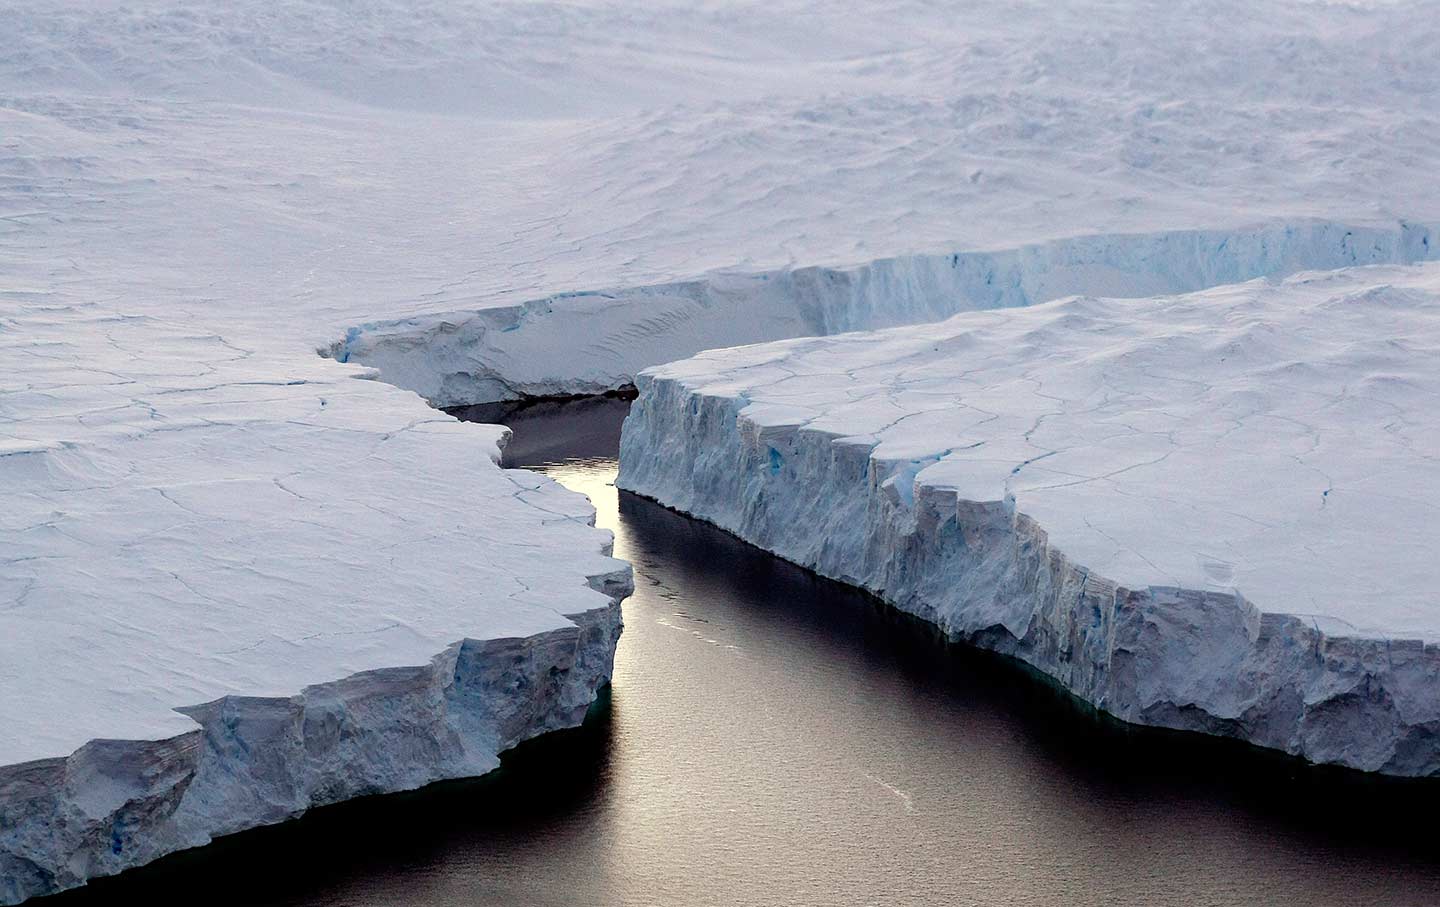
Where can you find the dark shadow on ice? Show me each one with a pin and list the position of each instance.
(549, 430)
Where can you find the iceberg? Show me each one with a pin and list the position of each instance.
(1211, 512)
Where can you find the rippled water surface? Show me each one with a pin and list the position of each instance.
(774, 739)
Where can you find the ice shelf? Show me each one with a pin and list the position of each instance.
(236, 584)
(1212, 511)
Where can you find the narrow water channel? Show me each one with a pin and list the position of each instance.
(774, 739)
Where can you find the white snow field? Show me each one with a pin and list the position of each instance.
(334, 585)
(1213, 511)
(492, 199)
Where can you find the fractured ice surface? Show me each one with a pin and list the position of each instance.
(1213, 511)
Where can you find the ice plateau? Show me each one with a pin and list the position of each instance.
(1211, 512)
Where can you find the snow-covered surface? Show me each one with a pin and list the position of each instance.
(187, 518)
(312, 167)
(1213, 510)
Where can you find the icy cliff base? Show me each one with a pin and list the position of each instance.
(587, 343)
(1209, 512)
(115, 804)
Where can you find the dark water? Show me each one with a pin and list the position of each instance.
(773, 739)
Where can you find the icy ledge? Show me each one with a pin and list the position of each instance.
(592, 342)
(1212, 512)
(238, 584)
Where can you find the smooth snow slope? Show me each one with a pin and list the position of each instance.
(1212, 511)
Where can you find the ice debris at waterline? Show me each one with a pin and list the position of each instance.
(1213, 511)
(236, 585)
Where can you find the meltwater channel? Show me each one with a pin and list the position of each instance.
(775, 739)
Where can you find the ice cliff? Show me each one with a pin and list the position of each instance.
(592, 342)
(1211, 512)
